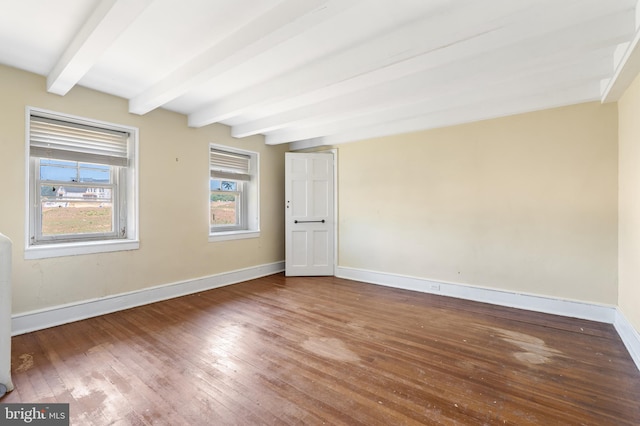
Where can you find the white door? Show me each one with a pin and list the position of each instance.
(309, 221)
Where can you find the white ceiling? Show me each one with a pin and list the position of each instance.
(324, 71)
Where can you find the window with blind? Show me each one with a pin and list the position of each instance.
(233, 192)
(81, 181)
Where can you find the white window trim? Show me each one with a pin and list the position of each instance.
(252, 200)
(79, 248)
(131, 242)
(233, 235)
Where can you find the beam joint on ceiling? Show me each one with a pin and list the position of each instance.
(287, 20)
(626, 64)
(627, 69)
(361, 66)
(354, 62)
(430, 86)
(110, 19)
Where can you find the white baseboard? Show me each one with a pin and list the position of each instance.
(57, 315)
(630, 336)
(50, 317)
(567, 308)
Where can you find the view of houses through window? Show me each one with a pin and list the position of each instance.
(76, 198)
(81, 181)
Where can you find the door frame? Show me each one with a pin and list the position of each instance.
(334, 152)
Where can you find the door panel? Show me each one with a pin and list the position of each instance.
(320, 196)
(309, 214)
(321, 248)
(299, 248)
(299, 198)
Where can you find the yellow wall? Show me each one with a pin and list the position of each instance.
(526, 203)
(173, 192)
(629, 211)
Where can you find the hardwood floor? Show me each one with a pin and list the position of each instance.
(328, 351)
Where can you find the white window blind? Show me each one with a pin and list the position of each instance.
(229, 165)
(51, 138)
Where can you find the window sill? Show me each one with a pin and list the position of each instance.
(233, 235)
(74, 249)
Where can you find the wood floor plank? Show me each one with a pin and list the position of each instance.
(322, 350)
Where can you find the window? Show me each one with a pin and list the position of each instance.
(233, 193)
(82, 184)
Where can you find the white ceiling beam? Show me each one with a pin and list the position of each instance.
(284, 21)
(486, 66)
(362, 67)
(100, 30)
(466, 114)
(547, 79)
(364, 58)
